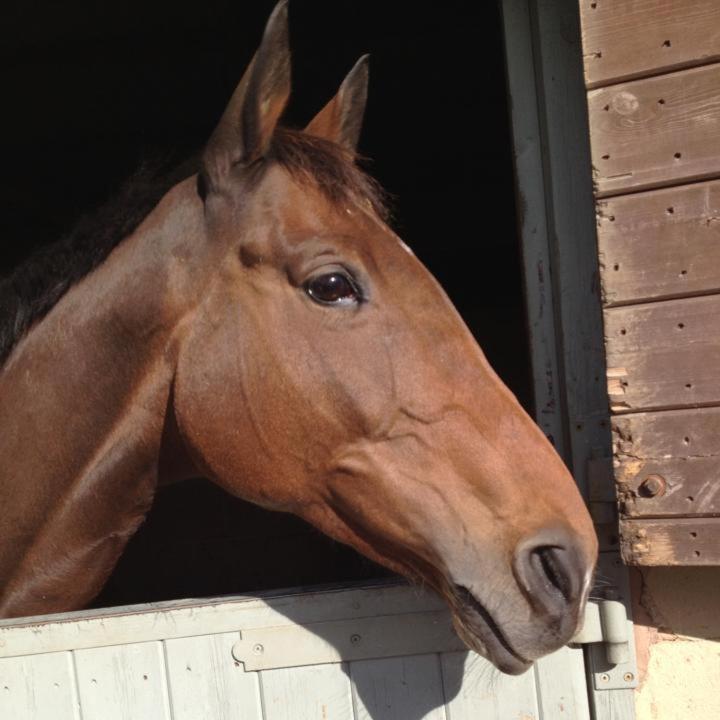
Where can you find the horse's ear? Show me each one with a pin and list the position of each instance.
(341, 119)
(245, 130)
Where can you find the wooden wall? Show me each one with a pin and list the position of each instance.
(652, 71)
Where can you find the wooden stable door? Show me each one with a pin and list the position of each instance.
(381, 653)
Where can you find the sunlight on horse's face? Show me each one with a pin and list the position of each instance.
(325, 373)
(372, 413)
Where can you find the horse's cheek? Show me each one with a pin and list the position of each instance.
(209, 416)
(217, 403)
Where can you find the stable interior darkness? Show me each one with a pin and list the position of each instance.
(90, 90)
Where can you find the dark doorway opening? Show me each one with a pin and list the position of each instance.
(93, 90)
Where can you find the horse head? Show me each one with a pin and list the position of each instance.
(325, 373)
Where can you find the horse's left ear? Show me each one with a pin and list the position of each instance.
(341, 119)
(245, 130)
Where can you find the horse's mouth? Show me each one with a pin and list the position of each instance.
(477, 628)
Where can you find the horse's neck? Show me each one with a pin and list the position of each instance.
(83, 402)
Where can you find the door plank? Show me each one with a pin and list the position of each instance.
(485, 692)
(206, 682)
(562, 685)
(39, 687)
(682, 447)
(657, 131)
(664, 354)
(404, 687)
(671, 541)
(125, 682)
(660, 244)
(675, 34)
(314, 692)
(184, 618)
(614, 704)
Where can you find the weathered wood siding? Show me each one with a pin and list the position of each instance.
(652, 71)
(175, 661)
(626, 39)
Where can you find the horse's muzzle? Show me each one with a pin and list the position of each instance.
(481, 633)
(555, 578)
(552, 575)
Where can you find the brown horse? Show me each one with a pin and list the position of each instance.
(263, 327)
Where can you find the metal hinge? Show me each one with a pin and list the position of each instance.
(608, 628)
(606, 623)
(608, 631)
(344, 640)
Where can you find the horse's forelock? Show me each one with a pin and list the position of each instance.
(330, 166)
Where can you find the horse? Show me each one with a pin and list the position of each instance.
(263, 327)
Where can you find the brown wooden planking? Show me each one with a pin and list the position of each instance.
(649, 134)
(664, 354)
(660, 244)
(656, 132)
(680, 449)
(624, 39)
(671, 541)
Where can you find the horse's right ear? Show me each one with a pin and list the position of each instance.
(247, 125)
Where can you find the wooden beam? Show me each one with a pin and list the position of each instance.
(676, 541)
(663, 355)
(660, 244)
(668, 463)
(656, 132)
(625, 39)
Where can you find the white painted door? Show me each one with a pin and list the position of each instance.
(380, 653)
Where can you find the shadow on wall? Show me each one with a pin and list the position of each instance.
(677, 632)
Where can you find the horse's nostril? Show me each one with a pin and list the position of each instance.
(552, 572)
(552, 563)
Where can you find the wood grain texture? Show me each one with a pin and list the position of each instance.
(562, 685)
(664, 354)
(206, 682)
(160, 621)
(533, 221)
(660, 244)
(485, 693)
(624, 39)
(614, 705)
(195, 676)
(38, 688)
(671, 541)
(126, 682)
(655, 132)
(571, 233)
(683, 448)
(316, 692)
(404, 687)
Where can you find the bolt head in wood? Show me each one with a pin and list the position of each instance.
(653, 486)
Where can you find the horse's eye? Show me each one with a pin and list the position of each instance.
(334, 288)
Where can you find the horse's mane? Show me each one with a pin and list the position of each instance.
(33, 289)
